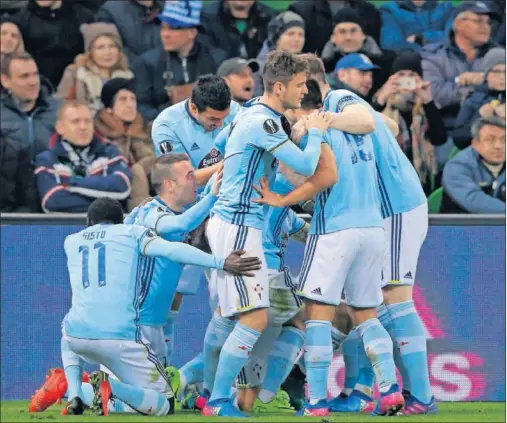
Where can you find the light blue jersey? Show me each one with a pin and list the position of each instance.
(399, 185)
(353, 202)
(107, 272)
(175, 130)
(281, 223)
(165, 275)
(256, 140)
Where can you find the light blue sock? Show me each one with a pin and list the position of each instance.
(385, 319)
(318, 357)
(217, 332)
(169, 335)
(379, 349)
(350, 349)
(410, 339)
(193, 371)
(233, 357)
(281, 360)
(74, 375)
(146, 401)
(365, 376)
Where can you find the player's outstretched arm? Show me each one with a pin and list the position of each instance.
(390, 123)
(325, 176)
(194, 216)
(186, 254)
(354, 119)
(202, 176)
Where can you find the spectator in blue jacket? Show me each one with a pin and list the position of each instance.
(79, 167)
(410, 24)
(454, 66)
(492, 92)
(474, 180)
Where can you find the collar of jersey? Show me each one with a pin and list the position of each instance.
(265, 105)
(165, 205)
(191, 116)
(326, 96)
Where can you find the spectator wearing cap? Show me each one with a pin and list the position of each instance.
(50, 30)
(474, 179)
(349, 37)
(238, 74)
(137, 22)
(103, 59)
(486, 100)
(406, 98)
(11, 40)
(121, 124)
(353, 72)
(454, 66)
(286, 32)
(165, 75)
(319, 24)
(410, 24)
(238, 26)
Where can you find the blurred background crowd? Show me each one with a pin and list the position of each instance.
(436, 67)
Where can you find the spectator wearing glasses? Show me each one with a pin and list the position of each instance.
(487, 98)
(411, 24)
(454, 66)
(165, 75)
(474, 180)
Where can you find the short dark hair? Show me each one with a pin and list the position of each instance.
(313, 98)
(211, 91)
(7, 59)
(161, 170)
(281, 67)
(316, 67)
(105, 210)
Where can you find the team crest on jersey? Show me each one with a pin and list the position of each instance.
(210, 159)
(165, 147)
(270, 126)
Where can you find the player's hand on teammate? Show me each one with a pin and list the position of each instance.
(319, 120)
(218, 180)
(298, 131)
(243, 266)
(269, 198)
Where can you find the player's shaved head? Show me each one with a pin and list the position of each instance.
(163, 169)
(282, 67)
(105, 210)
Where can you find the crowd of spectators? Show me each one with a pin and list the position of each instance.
(83, 80)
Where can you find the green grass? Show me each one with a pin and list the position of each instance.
(17, 411)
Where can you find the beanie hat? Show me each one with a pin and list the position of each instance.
(495, 56)
(281, 23)
(407, 60)
(94, 30)
(182, 13)
(348, 14)
(111, 88)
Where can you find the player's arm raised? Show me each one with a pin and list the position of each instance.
(325, 176)
(304, 161)
(154, 246)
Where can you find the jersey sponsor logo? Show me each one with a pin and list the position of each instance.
(165, 147)
(195, 147)
(270, 126)
(408, 275)
(210, 159)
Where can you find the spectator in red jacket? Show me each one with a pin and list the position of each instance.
(79, 167)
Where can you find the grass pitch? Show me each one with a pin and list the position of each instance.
(17, 411)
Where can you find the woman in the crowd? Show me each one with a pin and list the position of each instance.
(11, 40)
(103, 60)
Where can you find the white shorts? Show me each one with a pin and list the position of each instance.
(283, 298)
(349, 260)
(154, 336)
(132, 362)
(237, 294)
(405, 234)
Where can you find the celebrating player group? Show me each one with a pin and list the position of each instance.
(228, 178)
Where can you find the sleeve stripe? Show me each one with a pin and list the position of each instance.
(48, 195)
(278, 146)
(148, 243)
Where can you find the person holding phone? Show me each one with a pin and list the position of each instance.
(407, 99)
